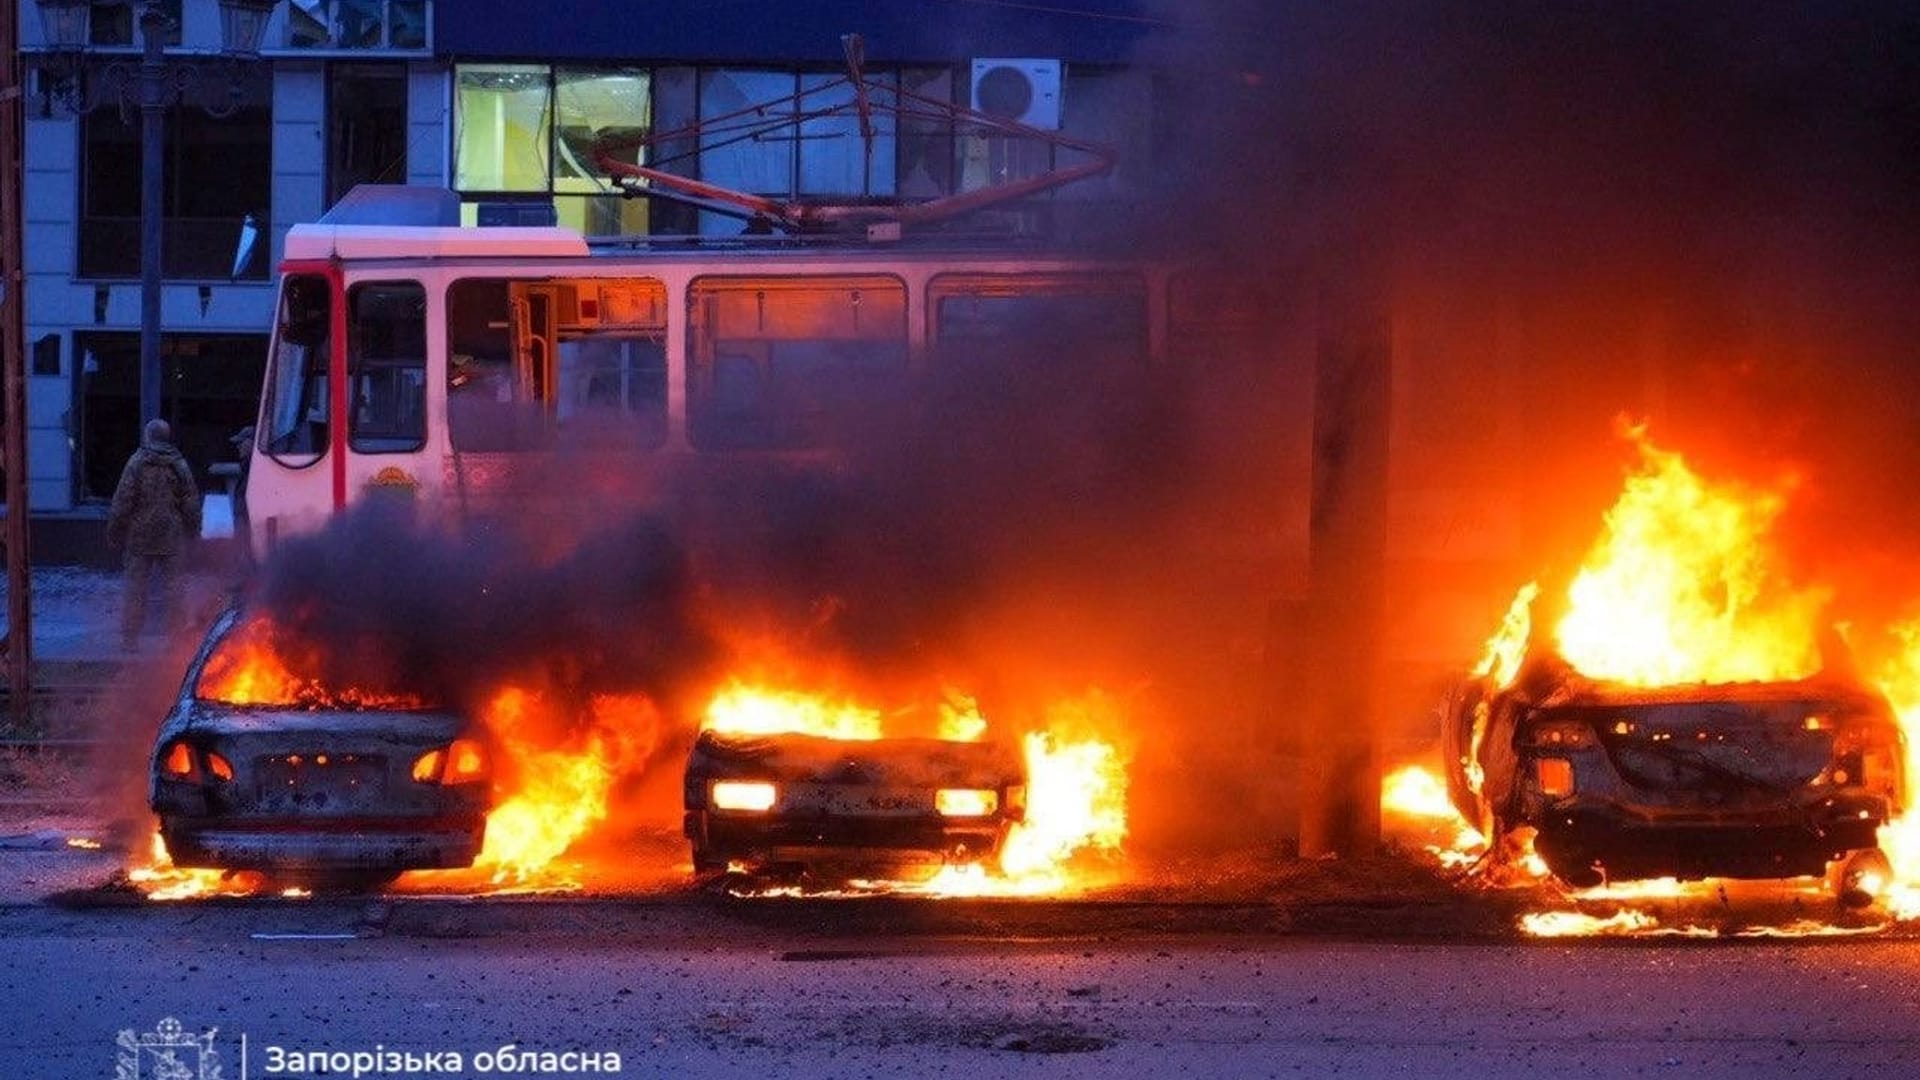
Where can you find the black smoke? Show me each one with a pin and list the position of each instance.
(395, 602)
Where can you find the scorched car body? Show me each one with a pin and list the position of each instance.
(336, 794)
(768, 804)
(1742, 780)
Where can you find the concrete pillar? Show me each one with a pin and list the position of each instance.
(1347, 533)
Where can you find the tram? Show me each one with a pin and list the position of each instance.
(439, 359)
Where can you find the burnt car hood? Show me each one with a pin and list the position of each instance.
(1552, 684)
(930, 763)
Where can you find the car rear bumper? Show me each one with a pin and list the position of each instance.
(1787, 840)
(360, 845)
(773, 840)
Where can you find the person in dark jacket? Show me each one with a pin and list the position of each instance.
(156, 509)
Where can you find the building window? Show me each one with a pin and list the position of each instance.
(112, 23)
(780, 363)
(210, 389)
(525, 132)
(366, 127)
(501, 128)
(358, 24)
(730, 155)
(525, 129)
(217, 172)
(590, 105)
(387, 372)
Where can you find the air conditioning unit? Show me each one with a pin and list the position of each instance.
(1027, 91)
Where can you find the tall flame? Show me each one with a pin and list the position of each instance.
(743, 709)
(1684, 586)
(1076, 799)
(1508, 645)
(562, 791)
(1899, 679)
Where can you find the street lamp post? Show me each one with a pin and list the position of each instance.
(155, 85)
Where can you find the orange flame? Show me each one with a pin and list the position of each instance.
(1076, 800)
(257, 665)
(1683, 586)
(160, 879)
(741, 709)
(1508, 646)
(560, 792)
(1414, 800)
(1899, 679)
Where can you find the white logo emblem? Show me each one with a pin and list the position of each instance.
(167, 1052)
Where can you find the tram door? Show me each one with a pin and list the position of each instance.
(531, 313)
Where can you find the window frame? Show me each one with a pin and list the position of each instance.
(332, 47)
(951, 284)
(358, 366)
(699, 373)
(265, 433)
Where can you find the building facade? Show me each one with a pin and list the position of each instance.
(498, 102)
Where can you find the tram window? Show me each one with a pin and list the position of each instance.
(387, 372)
(294, 419)
(613, 384)
(778, 363)
(539, 363)
(1103, 323)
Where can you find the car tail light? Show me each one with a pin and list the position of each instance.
(749, 795)
(178, 761)
(1017, 802)
(966, 802)
(1879, 771)
(462, 761)
(220, 767)
(466, 762)
(1555, 776)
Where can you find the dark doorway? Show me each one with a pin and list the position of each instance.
(210, 388)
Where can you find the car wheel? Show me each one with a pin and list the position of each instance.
(1859, 879)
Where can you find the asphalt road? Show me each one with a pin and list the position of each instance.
(689, 986)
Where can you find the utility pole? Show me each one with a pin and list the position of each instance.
(155, 95)
(1347, 539)
(19, 639)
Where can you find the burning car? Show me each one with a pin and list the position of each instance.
(785, 804)
(1769, 779)
(258, 768)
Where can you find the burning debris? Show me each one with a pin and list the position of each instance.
(1685, 716)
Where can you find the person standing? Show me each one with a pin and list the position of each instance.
(156, 508)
